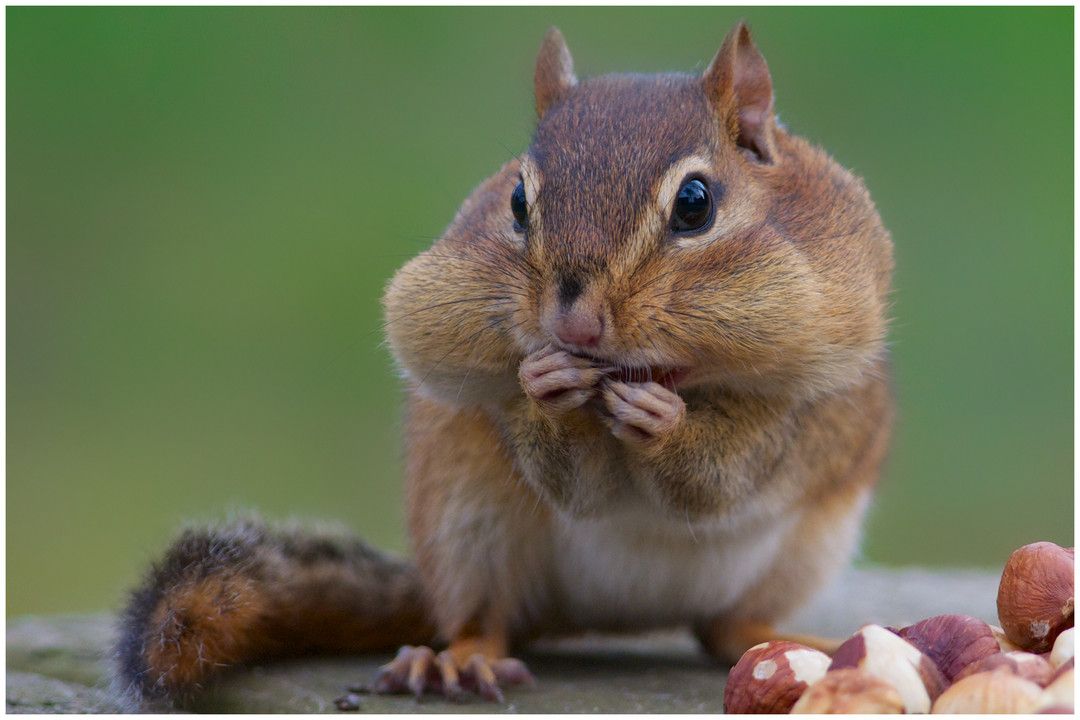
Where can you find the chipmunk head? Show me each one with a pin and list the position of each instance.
(661, 224)
(668, 222)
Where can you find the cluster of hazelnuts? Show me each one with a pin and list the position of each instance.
(944, 664)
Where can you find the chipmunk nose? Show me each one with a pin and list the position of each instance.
(580, 326)
(576, 316)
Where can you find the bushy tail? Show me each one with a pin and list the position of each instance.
(243, 592)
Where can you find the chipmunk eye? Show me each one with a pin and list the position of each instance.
(519, 207)
(693, 206)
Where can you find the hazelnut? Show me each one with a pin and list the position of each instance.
(1004, 643)
(952, 641)
(997, 691)
(1022, 664)
(849, 691)
(1062, 651)
(1059, 693)
(1035, 597)
(770, 677)
(889, 657)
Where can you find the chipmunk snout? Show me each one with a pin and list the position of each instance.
(579, 327)
(574, 312)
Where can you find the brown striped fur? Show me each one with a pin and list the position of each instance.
(245, 591)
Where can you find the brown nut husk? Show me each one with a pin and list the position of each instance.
(770, 677)
(998, 691)
(849, 691)
(889, 657)
(952, 641)
(1022, 664)
(1036, 595)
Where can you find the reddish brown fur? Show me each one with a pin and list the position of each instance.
(245, 592)
(212, 621)
(475, 525)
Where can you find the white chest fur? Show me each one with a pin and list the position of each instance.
(635, 568)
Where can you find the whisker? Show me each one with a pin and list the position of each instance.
(652, 281)
(655, 349)
(479, 298)
(511, 155)
(690, 525)
(693, 316)
(470, 338)
(489, 263)
(386, 323)
(678, 289)
(679, 340)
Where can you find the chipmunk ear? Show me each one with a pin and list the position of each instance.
(738, 84)
(554, 73)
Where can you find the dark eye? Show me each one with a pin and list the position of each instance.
(519, 207)
(693, 207)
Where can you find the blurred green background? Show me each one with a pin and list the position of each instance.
(203, 206)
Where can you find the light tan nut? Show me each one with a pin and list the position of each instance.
(1035, 597)
(887, 656)
(1062, 651)
(1060, 693)
(849, 691)
(1004, 643)
(952, 641)
(1022, 664)
(770, 677)
(997, 691)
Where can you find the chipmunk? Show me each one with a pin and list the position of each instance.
(647, 387)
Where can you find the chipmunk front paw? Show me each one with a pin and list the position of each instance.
(641, 411)
(558, 381)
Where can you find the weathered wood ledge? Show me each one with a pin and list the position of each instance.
(58, 664)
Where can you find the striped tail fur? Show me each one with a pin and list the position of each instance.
(244, 592)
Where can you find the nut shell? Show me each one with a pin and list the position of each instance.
(1036, 595)
(889, 657)
(1062, 651)
(770, 677)
(848, 691)
(1022, 664)
(1004, 643)
(1060, 693)
(998, 691)
(952, 641)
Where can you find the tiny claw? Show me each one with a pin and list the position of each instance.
(419, 666)
(486, 682)
(513, 672)
(392, 675)
(450, 681)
